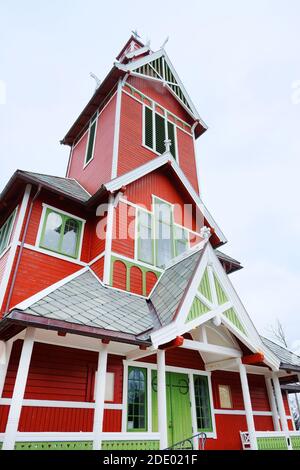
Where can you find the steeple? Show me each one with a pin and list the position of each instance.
(133, 48)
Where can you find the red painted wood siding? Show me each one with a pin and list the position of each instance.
(58, 373)
(180, 357)
(136, 282)
(161, 184)
(98, 267)
(119, 275)
(187, 157)
(228, 429)
(124, 230)
(151, 279)
(161, 95)
(98, 171)
(3, 261)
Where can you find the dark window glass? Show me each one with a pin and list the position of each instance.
(203, 411)
(137, 399)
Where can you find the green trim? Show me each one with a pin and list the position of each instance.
(272, 443)
(197, 309)
(129, 265)
(232, 316)
(204, 286)
(65, 218)
(130, 445)
(222, 297)
(295, 440)
(140, 404)
(56, 445)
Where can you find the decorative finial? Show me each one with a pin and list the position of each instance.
(136, 34)
(205, 233)
(164, 43)
(97, 80)
(168, 144)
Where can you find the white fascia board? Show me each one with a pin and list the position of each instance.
(154, 164)
(48, 290)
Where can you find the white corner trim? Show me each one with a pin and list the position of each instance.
(114, 169)
(48, 290)
(14, 242)
(108, 240)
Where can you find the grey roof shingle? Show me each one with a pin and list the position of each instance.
(284, 355)
(107, 308)
(171, 287)
(68, 186)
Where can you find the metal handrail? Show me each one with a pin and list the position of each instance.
(188, 444)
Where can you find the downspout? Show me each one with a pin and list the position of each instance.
(13, 282)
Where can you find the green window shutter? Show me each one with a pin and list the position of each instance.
(171, 136)
(160, 134)
(148, 131)
(91, 142)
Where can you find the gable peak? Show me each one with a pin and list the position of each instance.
(133, 48)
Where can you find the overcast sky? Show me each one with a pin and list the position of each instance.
(240, 62)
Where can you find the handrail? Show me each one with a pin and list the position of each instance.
(188, 444)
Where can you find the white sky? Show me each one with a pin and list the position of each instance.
(239, 62)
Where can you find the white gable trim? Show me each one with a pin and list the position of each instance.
(179, 327)
(153, 165)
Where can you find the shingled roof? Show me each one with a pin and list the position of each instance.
(170, 289)
(287, 358)
(85, 300)
(69, 186)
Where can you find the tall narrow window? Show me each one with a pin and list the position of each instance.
(5, 232)
(145, 237)
(91, 139)
(164, 232)
(203, 411)
(181, 237)
(157, 130)
(137, 399)
(61, 233)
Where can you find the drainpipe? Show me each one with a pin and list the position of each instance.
(13, 282)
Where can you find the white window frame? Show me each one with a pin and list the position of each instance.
(40, 231)
(13, 216)
(166, 120)
(189, 372)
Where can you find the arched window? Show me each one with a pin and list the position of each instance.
(61, 233)
(137, 399)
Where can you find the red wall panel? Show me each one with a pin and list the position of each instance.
(136, 281)
(48, 419)
(98, 267)
(150, 281)
(180, 357)
(98, 171)
(187, 158)
(228, 429)
(124, 230)
(3, 261)
(119, 275)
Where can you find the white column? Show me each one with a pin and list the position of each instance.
(272, 402)
(280, 404)
(18, 393)
(100, 383)
(162, 399)
(248, 406)
(108, 240)
(5, 350)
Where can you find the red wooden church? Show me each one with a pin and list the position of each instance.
(120, 328)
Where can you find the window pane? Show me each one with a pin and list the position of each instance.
(164, 244)
(70, 237)
(137, 386)
(145, 251)
(148, 127)
(181, 240)
(202, 403)
(52, 231)
(90, 148)
(225, 396)
(171, 136)
(159, 133)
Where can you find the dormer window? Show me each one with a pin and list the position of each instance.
(157, 129)
(89, 154)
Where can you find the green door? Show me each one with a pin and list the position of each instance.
(179, 420)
